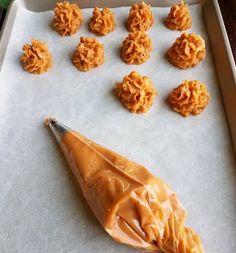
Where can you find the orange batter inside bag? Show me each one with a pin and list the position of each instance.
(133, 206)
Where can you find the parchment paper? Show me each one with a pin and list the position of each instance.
(41, 207)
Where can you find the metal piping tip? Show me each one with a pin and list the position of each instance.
(49, 121)
(58, 129)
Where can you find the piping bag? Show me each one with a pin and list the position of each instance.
(133, 206)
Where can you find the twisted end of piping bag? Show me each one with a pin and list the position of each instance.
(133, 206)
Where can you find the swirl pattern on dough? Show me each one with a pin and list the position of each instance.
(136, 48)
(67, 18)
(36, 57)
(102, 22)
(88, 54)
(179, 17)
(187, 51)
(136, 92)
(191, 97)
(140, 17)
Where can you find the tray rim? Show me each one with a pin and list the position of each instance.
(212, 5)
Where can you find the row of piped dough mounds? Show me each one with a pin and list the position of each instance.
(136, 92)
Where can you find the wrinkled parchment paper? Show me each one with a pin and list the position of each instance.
(41, 207)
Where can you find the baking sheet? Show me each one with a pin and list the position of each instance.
(41, 207)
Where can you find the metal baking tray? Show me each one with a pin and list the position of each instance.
(220, 46)
(224, 68)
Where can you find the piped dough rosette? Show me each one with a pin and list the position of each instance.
(136, 48)
(191, 97)
(187, 51)
(136, 92)
(88, 54)
(102, 22)
(179, 17)
(36, 57)
(140, 17)
(67, 18)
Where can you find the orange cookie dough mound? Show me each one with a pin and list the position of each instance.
(36, 58)
(179, 17)
(136, 48)
(88, 54)
(140, 17)
(136, 92)
(187, 51)
(191, 97)
(102, 22)
(67, 18)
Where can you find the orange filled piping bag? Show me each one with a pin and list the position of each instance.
(133, 206)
